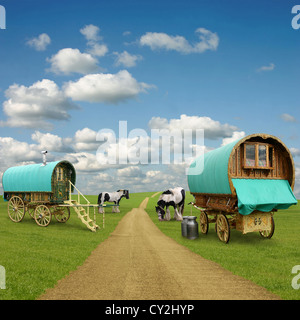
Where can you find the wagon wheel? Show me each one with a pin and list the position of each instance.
(16, 209)
(42, 215)
(223, 229)
(203, 222)
(31, 210)
(268, 233)
(62, 214)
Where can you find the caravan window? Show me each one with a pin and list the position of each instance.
(258, 156)
(59, 174)
(250, 155)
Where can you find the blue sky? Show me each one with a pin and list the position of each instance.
(245, 78)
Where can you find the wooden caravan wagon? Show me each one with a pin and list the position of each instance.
(242, 184)
(43, 190)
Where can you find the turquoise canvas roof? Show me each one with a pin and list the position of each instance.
(263, 195)
(31, 178)
(214, 176)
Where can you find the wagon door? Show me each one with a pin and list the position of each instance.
(60, 187)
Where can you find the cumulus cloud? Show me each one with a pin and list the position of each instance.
(34, 106)
(235, 136)
(51, 142)
(126, 59)
(98, 50)
(130, 172)
(85, 140)
(91, 32)
(39, 43)
(212, 129)
(92, 35)
(208, 41)
(288, 118)
(105, 88)
(14, 152)
(68, 60)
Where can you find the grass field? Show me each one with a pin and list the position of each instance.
(267, 262)
(35, 258)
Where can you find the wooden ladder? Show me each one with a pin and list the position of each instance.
(82, 210)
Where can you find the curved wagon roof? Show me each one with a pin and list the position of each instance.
(253, 194)
(33, 178)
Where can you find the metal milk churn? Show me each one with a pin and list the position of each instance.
(184, 226)
(192, 228)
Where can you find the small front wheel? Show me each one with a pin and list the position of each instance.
(223, 228)
(42, 215)
(268, 233)
(62, 214)
(203, 220)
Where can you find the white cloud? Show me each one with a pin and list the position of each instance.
(34, 106)
(212, 129)
(105, 88)
(130, 172)
(85, 140)
(155, 40)
(288, 118)
(295, 152)
(69, 60)
(235, 136)
(39, 43)
(14, 152)
(270, 67)
(98, 50)
(91, 32)
(126, 59)
(51, 142)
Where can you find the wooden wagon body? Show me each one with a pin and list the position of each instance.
(39, 189)
(242, 184)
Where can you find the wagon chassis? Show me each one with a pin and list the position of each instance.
(41, 212)
(225, 221)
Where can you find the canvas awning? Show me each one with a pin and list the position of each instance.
(263, 195)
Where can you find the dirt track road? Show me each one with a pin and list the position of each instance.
(138, 262)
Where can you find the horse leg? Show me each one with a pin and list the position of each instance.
(178, 216)
(168, 215)
(117, 207)
(101, 209)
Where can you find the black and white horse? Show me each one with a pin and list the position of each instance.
(112, 197)
(171, 197)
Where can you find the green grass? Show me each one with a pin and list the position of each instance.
(35, 258)
(267, 262)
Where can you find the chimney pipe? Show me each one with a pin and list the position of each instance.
(44, 157)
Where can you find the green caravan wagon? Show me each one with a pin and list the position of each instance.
(242, 184)
(40, 190)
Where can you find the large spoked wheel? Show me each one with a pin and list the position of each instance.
(267, 234)
(16, 209)
(62, 214)
(223, 228)
(203, 222)
(42, 215)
